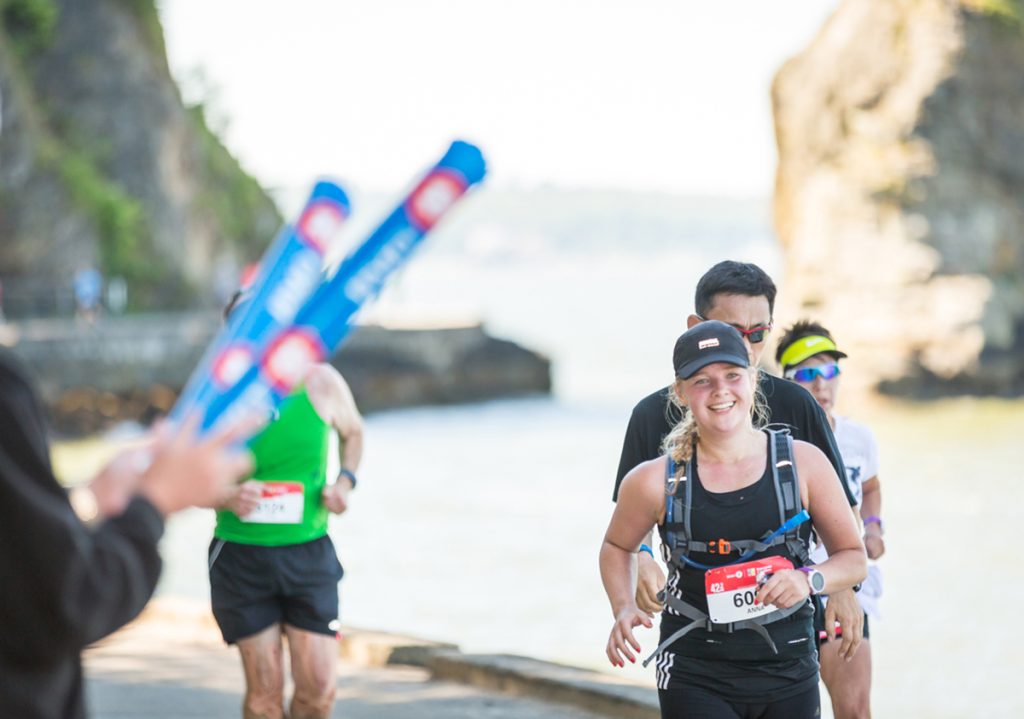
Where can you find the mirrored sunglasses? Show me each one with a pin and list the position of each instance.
(807, 374)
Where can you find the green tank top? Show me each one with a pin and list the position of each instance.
(292, 450)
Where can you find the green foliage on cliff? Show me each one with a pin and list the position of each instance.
(119, 217)
(125, 244)
(1008, 11)
(120, 220)
(29, 23)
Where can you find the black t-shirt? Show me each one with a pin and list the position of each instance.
(62, 585)
(789, 406)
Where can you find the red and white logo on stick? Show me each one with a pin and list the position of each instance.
(289, 356)
(319, 223)
(432, 198)
(233, 362)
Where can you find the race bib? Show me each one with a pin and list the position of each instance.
(731, 589)
(281, 503)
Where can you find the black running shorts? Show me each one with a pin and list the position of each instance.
(254, 587)
(696, 703)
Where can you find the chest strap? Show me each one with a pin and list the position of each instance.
(700, 620)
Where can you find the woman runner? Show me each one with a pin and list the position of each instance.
(737, 633)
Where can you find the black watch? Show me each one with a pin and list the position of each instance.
(350, 474)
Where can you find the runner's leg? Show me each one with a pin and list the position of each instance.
(264, 675)
(848, 683)
(314, 659)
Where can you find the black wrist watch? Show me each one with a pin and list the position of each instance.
(350, 474)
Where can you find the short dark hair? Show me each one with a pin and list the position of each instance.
(799, 330)
(733, 278)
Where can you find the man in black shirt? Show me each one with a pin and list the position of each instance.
(741, 295)
(63, 584)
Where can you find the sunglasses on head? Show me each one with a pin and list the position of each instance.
(807, 374)
(755, 335)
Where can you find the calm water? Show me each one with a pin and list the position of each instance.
(481, 524)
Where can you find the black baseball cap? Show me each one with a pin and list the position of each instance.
(706, 343)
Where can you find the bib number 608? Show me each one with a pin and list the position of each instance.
(746, 598)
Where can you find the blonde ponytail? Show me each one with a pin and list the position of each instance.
(680, 442)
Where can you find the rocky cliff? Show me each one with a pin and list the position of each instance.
(900, 191)
(102, 165)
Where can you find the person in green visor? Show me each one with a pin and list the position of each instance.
(808, 355)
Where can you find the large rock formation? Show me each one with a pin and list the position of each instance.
(102, 165)
(900, 192)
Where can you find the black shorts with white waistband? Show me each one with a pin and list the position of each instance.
(253, 587)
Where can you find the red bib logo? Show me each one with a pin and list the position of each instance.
(319, 223)
(432, 198)
(288, 358)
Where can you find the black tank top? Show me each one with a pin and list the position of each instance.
(747, 513)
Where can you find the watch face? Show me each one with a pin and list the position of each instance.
(817, 581)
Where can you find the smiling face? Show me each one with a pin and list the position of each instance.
(720, 396)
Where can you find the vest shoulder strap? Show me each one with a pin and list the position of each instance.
(787, 489)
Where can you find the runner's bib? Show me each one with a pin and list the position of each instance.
(731, 589)
(281, 503)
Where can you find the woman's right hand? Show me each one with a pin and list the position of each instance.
(621, 642)
(649, 582)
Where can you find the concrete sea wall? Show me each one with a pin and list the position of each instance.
(92, 375)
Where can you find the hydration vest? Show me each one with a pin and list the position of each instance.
(678, 542)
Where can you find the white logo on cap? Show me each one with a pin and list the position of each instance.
(704, 344)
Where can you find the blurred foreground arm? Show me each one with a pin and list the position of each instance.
(65, 584)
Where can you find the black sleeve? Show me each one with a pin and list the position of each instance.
(64, 585)
(650, 421)
(794, 407)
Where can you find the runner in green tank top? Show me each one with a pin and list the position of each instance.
(273, 568)
(291, 465)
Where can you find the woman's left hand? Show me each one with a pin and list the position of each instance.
(784, 589)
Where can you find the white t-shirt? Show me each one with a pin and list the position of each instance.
(859, 450)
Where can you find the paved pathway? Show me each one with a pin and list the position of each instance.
(160, 668)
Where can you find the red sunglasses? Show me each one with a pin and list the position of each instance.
(755, 335)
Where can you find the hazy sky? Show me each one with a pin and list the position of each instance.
(667, 95)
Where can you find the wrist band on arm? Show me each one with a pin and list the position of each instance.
(874, 519)
(645, 548)
(348, 473)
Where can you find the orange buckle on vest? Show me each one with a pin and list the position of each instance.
(721, 546)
